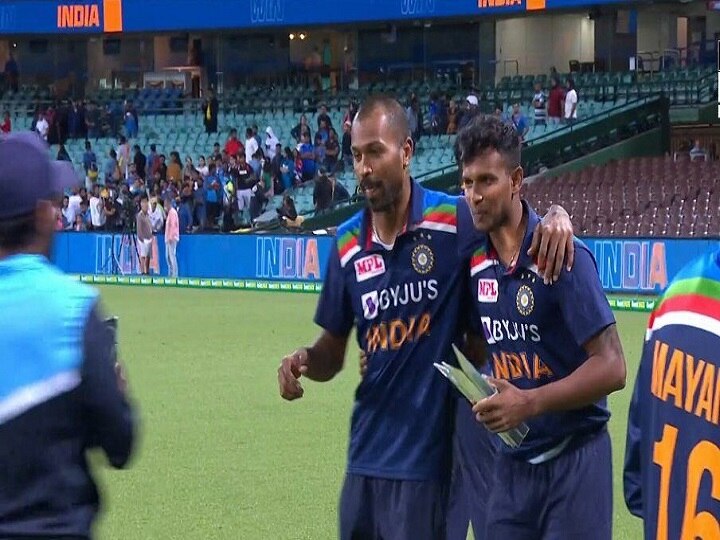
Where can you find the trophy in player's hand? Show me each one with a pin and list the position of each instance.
(475, 386)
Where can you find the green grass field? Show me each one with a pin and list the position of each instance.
(221, 455)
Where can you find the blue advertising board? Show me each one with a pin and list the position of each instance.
(286, 258)
(643, 265)
(637, 266)
(107, 16)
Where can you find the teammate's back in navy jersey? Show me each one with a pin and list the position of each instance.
(672, 462)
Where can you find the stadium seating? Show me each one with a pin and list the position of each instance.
(637, 197)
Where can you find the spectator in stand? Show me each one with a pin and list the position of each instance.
(287, 211)
(519, 121)
(472, 108)
(152, 161)
(161, 168)
(217, 154)
(75, 120)
(233, 146)
(271, 143)
(306, 152)
(144, 236)
(80, 225)
(172, 237)
(251, 145)
(301, 128)
(539, 104)
(263, 192)
(157, 216)
(319, 151)
(323, 117)
(244, 184)
(189, 171)
(555, 102)
(287, 170)
(202, 167)
(140, 162)
(92, 121)
(174, 169)
(210, 112)
(68, 216)
(347, 155)
(256, 163)
(97, 209)
(256, 134)
(123, 157)
(350, 113)
(6, 126)
(697, 152)
(339, 192)
(75, 200)
(42, 126)
(132, 121)
(332, 151)
(62, 154)
(199, 203)
(571, 102)
(89, 157)
(452, 118)
(276, 162)
(214, 195)
(111, 171)
(323, 131)
(85, 213)
(322, 193)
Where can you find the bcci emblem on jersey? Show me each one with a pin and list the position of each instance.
(422, 259)
(525, 301)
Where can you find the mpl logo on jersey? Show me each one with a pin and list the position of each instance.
(369, 267)
(487, 291)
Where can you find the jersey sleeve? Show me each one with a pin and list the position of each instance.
(583, 303)
(334, 310)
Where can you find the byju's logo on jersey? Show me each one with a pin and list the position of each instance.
(370, 305)
(369, 267)
(487, 291)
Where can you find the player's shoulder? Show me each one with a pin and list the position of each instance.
(694, 290)
(584, 265)
(439, 211)
(347, 238)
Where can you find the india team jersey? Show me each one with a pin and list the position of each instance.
(535, 332)
(672, 461)
(404, 303)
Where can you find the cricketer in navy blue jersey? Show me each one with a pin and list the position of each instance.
(394, 274)
(553, 350)
(672, 456)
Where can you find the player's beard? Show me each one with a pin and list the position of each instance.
(380, 196)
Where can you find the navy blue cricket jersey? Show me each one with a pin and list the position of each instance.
(535, 332)
(404, 303)
(672, 460)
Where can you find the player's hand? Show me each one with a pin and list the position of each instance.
(363, 361)
(121, 379)
(292, 367)
(552, 243)
(505, 410)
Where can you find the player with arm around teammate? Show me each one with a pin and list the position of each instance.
(672, 457)
(554, 352)
(394, 274)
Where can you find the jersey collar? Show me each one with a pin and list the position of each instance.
(524, 260)
(415, 216)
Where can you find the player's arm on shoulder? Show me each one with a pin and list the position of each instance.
(587, 315)
(552, 244)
